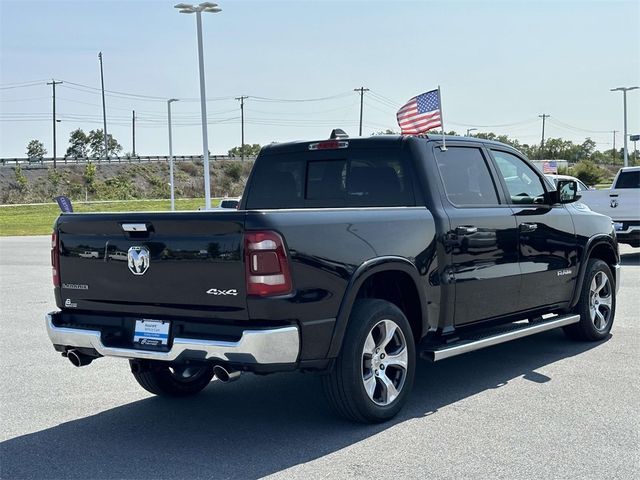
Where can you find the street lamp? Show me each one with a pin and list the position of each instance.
(206, 7)
(173, 201)
(469, 130)
(624, 91)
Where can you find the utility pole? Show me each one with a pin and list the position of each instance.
(133, 132)
(242, 99)
(615, 153)
(104, 111)
(53, 83)
(361, 90)
(544, 116)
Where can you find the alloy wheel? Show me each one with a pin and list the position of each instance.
(384, 362)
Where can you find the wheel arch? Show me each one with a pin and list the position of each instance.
(602, 247)
(370, 277)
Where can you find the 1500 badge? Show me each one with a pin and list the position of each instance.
(564, 272)
(215, 291)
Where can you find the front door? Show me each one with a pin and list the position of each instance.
(546, 236)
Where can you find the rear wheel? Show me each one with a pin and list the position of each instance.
(374, 372)
(597, 304)
(162, 379)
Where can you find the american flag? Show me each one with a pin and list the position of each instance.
(549, 167)
(420, 114)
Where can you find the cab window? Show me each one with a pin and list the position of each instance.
(466, 177)
(523, 184)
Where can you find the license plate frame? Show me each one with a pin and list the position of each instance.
(151, 334)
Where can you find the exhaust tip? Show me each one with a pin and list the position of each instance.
(225, 375)
(78, 359)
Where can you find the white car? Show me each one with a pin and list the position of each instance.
(581, 185)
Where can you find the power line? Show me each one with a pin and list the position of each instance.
(24, 85)
(299, 100)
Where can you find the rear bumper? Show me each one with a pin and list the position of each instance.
(255, 347)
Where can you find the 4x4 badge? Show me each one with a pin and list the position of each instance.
(138, 259)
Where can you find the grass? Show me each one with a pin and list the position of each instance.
(38, 219)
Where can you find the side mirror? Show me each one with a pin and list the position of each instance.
(566, 192)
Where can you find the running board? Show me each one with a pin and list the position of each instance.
(495, 337)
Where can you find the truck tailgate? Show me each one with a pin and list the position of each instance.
(187, 263)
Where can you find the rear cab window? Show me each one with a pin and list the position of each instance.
(628, 179)
(348, 177)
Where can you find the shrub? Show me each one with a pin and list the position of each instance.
(588, 172)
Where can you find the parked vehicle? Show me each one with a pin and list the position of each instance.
(581, 185)
(225, 204)
(229, 203)
(621, 202)
(349, 258)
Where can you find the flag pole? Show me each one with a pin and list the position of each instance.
(444, 142)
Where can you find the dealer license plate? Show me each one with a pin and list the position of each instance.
(151, 333)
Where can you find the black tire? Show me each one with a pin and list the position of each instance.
(344, 386)
(171, 380)
(596, 309)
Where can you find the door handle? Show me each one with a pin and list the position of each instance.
(528, 227)
(466, 230)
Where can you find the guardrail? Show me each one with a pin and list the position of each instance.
(115, 159)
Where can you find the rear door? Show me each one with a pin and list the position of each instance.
(482, 237)
(187, 264)
(546, 235)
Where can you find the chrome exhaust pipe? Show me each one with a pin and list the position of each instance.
(79, 359)
(226, 375)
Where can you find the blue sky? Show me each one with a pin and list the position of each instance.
(498, 63)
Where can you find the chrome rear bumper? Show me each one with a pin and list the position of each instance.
(278, 345)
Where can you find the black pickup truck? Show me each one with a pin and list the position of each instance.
(346, 257)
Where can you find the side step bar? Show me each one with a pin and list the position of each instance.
(513, 332)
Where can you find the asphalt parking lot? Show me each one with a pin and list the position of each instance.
(540, 407)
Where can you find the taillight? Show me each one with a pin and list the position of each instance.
(55, 259)
(266, 264)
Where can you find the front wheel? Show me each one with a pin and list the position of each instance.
(373, 375)
(169, 380)
(597, 304)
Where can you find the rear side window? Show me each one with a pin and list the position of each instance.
(629, 179)
(364, 178)
(466, 177)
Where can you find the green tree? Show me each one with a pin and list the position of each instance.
(78, 144)
(96, 144)
(35, 149)
(249, 150)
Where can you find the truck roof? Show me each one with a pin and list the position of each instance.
(381, 141)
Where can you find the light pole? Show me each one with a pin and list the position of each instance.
(624, 91)
(469, 130)
(206, 7)
(173, 200)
